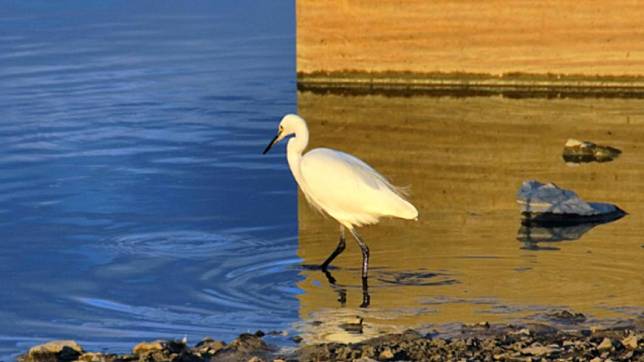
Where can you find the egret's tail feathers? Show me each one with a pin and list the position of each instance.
(411, 213)
(406, 211)
(402, 191)
(398, 204)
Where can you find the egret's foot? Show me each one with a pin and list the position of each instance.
(366, 298)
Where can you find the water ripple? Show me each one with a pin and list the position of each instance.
(176, 244)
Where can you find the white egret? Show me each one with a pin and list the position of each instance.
(340, 185)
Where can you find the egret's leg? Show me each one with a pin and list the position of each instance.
(366, 298)
(365, 255)
(338, 250)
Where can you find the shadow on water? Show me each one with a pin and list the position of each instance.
(464, 159)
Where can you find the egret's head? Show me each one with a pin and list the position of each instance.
(288, 126)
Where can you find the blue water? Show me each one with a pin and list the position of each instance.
(134, 202)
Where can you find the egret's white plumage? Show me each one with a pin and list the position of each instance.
(340, 185)
(349, 190)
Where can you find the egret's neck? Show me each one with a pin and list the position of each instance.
(294, 149)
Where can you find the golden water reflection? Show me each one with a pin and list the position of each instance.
(464, 159)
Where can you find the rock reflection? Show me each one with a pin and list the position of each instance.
(532, 236)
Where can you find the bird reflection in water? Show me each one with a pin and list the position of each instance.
(341, 290)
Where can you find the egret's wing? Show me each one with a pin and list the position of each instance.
(344, 185)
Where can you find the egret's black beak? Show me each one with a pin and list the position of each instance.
(273, 141)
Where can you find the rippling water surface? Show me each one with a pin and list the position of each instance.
(134, 201)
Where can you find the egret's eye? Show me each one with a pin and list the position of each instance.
(281, 128)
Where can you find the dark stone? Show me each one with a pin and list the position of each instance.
(566, 317)
(584, 151)
(245, 347)
(209, 346)
(353, 327)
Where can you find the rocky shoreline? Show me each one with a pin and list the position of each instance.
(621, 341)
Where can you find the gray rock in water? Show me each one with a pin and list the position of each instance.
(583, 151)
(550, 205)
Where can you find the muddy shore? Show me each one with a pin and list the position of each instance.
(565, 339)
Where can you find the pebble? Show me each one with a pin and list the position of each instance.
(147, 347)
(56, 347)
(92, 357)
(630, 342)
(54, 351)
(538, 350)
(484, 324)
(606, 344)
(353, 325)
(496, 343)
(209, 346)
(522, 331)
(386, 354)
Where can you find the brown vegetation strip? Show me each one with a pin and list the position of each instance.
(519, 83)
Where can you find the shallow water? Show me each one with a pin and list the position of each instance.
(468, 259)
(135, 202)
